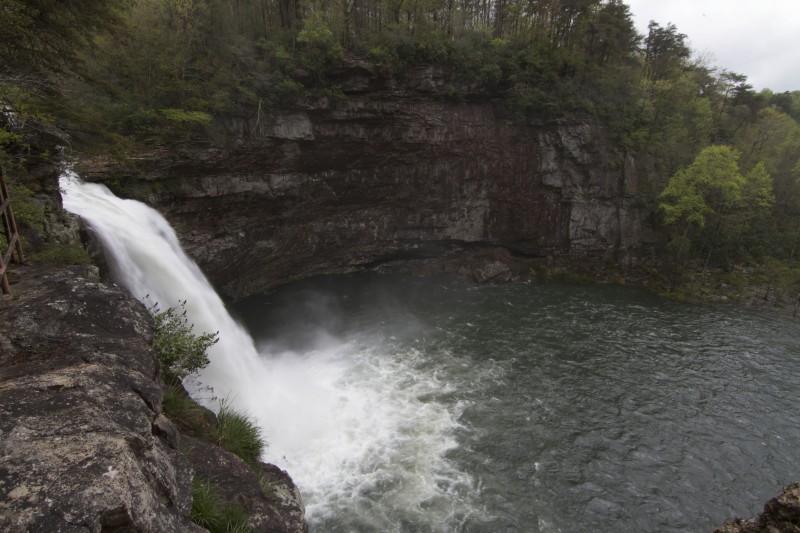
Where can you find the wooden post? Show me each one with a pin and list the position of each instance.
(11, 234)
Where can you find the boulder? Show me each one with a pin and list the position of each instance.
(781, 515)
(277, 509)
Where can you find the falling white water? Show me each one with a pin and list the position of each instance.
(351, 420)
(145, 255)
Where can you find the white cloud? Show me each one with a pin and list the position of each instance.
(757, 38)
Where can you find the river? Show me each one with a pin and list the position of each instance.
(409, 404)
(403, 404)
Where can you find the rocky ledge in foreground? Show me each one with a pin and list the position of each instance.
(84, 445)
(781, 515)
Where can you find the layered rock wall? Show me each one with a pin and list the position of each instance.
(388, 172)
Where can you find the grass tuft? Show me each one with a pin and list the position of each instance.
(211, 511)
(239, 435)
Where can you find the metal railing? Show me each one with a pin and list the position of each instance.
(11, 235)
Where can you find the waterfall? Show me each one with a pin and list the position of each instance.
(352, 420)
(146, 257)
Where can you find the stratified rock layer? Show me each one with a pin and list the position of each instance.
(391, 172)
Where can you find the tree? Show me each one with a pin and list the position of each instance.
(610, 36)
(710, 184)
(180, 351)
(712, 201)
(39, 40)
(665, 51)
(41, 36)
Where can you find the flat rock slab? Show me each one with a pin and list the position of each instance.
(79, 397)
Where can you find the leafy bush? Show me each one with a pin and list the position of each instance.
(184, 117)
(317, 49)
(211, 511)
(385, 58)
(28, 211)
(283, 91)
(239, 435)
(179, 350)
(9, 137)
(490, 75)
(64, 254)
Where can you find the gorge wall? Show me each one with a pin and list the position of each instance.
(392, 171)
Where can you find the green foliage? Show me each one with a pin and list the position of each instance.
(39, 36)
(129, 71)
(711, 183)
(8, 137)
(239, 435)
(191, 118)
(317, 37)
(211, 511)
(63, 254)
(42, 44)
(757, 189)
(665, 51)
(713, 188)
(387, 60)
(28, 211)
(178, 124)
(180, 351)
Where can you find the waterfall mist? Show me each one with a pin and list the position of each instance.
(350, 418)
(409, 404)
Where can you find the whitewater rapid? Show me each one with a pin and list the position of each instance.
(351, 419)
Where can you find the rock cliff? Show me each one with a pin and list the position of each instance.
(392, 171)
(78, 443)
(781, 515)
(84, 445)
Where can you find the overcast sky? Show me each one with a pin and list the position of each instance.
(758, 38)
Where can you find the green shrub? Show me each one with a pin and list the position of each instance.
(490, 75)
(63, 254)
(179, 350)
(211, 511)
(28, 211)
(239, 435)
(188, 118)
(385, 58)
(8, 137)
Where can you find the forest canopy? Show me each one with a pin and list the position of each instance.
(126, 71)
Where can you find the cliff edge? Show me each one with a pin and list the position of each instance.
(393, 171)
(84, 445)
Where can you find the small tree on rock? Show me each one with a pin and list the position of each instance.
(180, 351)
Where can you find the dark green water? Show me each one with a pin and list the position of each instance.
(433, 405)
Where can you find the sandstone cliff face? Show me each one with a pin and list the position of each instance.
(84, 445)
(79, 444)
(389, 172)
